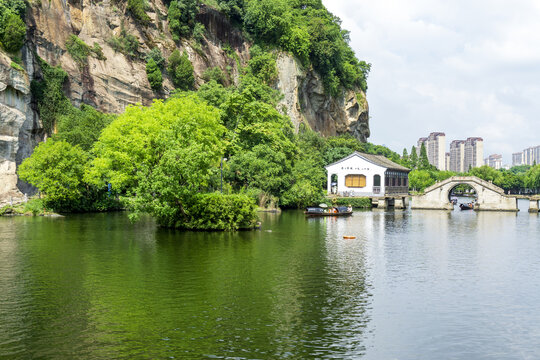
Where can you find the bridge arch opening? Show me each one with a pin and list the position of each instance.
(462, 193)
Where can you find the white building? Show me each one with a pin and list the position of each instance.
(474, 153)
(494, 161)
(457, 156)
(435, 145)
(531, 155)
(367, 175)
(517, 158)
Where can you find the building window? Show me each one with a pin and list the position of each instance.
(356, 181)
(377, 180)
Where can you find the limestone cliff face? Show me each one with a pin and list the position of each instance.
(112, 84)
(306, 103)
(20, 129)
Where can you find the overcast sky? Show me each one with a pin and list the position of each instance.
(466, 68)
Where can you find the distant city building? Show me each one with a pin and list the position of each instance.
(517, 158)
(531, 156)
(447, 161)
(474, 153)
(457, 156)
(435, 145)
(494, 161)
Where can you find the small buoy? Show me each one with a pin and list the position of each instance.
(349, 237)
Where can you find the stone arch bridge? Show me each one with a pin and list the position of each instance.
(489, 196)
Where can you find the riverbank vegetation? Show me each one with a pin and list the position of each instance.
(32, 207)
(169, 159)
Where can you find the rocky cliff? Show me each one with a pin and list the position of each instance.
(120, 80)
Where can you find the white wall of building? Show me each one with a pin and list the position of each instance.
(356, 166)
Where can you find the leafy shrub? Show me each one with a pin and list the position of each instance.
(154, 74)
(156, 55)
(297, 41)
(181, 17)
(263, 65)
(81, 126)
(35, 206)
(198, 32)
(98, 51)
(214, 74)
(215, 211)
(234, 9)
(213, 93)
(181, 70)
(13, 31)
(78, 49)
(303, 193)
(267, 19)
(357, 203)
(126, 44)
(137, 8)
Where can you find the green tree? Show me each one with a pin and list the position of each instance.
(13, 32)
(263, 65)
(297, 41)
(154, 75)
(181, 70)
(532, 178)
(156, 55)
(138, 9)
(56, 168)
(414, 158)
(234, 9)
(267, 19)
(181, 17)
(420, 179)
(262, 167)
(162, 156)
(405, 154)
(213, 93)
(423, 161)
(214, 74)
(486, 173)
(82, 126)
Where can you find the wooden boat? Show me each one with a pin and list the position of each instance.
(333, 211)
(468, 206)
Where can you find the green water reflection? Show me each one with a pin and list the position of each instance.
(98, 287)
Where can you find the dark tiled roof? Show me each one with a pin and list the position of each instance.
(375, 159)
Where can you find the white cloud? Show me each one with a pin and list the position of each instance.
(467, 68)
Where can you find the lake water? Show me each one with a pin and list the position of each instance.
(412, 285)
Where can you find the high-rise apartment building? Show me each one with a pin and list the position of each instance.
(435, 145)
(531, 155)
(457, 156)
(474, 153)
(494, 161)
(517, 159)
(447, 161)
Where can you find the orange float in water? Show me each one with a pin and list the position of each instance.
(349, 237)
